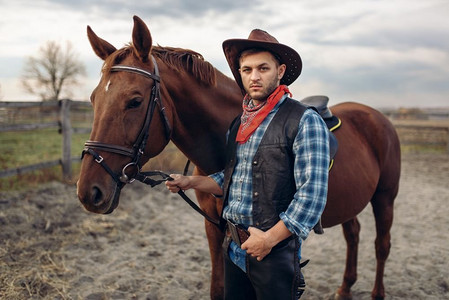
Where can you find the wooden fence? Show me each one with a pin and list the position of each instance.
(63, 107)
(409, 133)
(433, 135)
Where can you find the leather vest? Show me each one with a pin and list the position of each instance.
(273, 184)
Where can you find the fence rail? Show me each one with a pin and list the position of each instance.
(63, 125)
(33, 167)
(409, 133)
(424, 135)
(25, 127)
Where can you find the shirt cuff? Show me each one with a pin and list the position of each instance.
(219, 179)
(294, 227)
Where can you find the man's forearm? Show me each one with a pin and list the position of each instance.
(205, 184)
(201, 183)
(277, 233)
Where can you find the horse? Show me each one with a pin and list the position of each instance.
(149, 95)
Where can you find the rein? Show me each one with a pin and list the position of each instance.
(166, 177)
(139, 145)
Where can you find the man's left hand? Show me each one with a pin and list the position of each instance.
(258, 244)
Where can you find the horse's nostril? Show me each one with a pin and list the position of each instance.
(97, 196)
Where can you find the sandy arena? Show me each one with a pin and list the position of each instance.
(154, 246)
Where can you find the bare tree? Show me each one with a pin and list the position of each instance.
(53, 71)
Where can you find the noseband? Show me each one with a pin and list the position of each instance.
(139, 145)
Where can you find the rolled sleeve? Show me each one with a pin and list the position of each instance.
(311, 149)
(218, 178)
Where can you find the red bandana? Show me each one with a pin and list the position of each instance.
(252, 117)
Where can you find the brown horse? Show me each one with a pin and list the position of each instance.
(148, 95)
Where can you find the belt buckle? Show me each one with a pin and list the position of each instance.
(234, 234)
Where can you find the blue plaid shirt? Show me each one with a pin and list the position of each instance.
(311, 148)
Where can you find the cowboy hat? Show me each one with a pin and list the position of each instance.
(261, 39)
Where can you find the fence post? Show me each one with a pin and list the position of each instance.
(66, 131)
(447, 142)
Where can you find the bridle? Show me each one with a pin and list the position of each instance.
(138, 148)
(140, 143)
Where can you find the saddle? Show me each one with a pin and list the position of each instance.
(332, 122)
(319, 103)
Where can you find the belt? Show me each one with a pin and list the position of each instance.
(236, 232)
(239, 235)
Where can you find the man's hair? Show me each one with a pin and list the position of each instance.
(258, 50)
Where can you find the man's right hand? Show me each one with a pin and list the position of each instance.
(179, 182)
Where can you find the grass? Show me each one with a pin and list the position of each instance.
(30, 147)
(429, 149)
(24, 148)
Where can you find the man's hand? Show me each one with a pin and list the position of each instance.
(258, 244)
(178, 182)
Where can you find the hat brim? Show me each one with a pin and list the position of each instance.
(234, 47)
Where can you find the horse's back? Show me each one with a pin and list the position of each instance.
(372, 127)
(368, 159)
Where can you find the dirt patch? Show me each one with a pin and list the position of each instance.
(154, 246)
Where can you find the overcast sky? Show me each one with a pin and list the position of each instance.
(381, 53)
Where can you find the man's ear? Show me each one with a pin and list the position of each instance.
(281, 71)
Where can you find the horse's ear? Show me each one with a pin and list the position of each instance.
(142, 40)
(101, 48)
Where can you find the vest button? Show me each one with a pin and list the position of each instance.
(255, 162)
(256, 194)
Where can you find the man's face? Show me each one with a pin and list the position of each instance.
(260, 74)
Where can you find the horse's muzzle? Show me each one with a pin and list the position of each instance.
(96, 201)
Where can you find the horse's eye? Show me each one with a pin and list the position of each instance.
(134, 103)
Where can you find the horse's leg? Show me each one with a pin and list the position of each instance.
(382, 204)
(215, 239)
(351, 230)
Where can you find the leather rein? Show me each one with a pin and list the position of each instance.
(139, 145)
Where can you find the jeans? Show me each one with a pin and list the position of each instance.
(277, 276)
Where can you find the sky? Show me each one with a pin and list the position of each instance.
(383, 53)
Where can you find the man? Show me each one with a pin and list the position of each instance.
(274, 184)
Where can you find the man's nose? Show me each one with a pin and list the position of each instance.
(255, 75)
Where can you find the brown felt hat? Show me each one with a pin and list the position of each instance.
(261, 39)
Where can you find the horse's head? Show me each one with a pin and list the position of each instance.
(130, 123)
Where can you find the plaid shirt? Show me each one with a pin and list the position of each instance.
(311, 148)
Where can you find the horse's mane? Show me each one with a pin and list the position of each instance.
(183, 60)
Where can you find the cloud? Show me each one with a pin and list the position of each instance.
(163, 8)
(350, 48)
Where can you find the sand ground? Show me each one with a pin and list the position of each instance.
(154, 246)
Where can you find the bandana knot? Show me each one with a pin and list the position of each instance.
(253, 115)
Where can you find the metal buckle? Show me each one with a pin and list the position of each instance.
(99, 159)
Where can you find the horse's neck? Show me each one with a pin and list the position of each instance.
(201, 119)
